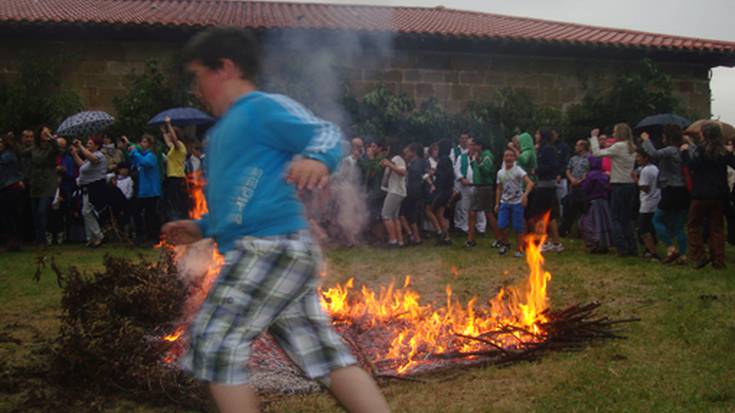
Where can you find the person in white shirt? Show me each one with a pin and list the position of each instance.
(650, 195)
(394, 183)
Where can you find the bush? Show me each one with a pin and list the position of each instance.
(38, 96)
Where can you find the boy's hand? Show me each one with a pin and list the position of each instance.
(308, 173)
(524, 201)
(497, 208)
(181, 232)
(595, 133)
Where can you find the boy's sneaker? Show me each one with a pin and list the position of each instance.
(518, 254)
(547, 247)
(496, 244)
(503, 250)
(470, 244)
(557, 247)
(647, 255)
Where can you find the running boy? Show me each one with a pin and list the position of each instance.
(511, 199)
(269, 278)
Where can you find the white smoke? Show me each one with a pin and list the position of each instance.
(314, 68)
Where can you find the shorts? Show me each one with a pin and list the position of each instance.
(645, 224)
(410, 209)
(391, 206)
(266, 284)
(483, 200)
(441, 199)
(543, 200)
(511, 214)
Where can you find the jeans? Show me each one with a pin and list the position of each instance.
(623, 204)
(40, 210)
(670, 224)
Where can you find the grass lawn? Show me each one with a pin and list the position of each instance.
(679, 358)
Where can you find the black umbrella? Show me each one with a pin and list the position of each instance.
(663, 119)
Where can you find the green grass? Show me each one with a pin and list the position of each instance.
(679, 358)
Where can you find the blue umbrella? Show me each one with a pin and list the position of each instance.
(85, 123)
(663, 119)
(182, 117)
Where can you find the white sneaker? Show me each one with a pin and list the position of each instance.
(547, 247)
(518, 254)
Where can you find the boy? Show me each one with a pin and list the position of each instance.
(481, 203)
(269, 278)
(511, 199)
(650, 195)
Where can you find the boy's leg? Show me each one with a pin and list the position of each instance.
(472, 218)
(239, 398)
(357, 391)
(517, 214)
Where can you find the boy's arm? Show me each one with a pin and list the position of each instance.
(498, 192)
(298, 131)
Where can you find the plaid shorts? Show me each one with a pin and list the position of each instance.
(266, 284)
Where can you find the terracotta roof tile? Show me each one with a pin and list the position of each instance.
(409, 20)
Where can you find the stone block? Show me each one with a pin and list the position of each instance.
(383, 75)
(428, 60)
(402, 60)
(116, 67)
(451, 76)
(441, 91)
(484, 93)
(432, 76)
(408, 88)
(552, 96)
(495, 78)
(424, 90)
(458, 92)
(411, 76)
(93, 67)
(702, 88)
(471, 77)
(466, 61)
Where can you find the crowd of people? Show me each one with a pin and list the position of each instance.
(619, 192)
(55, 190)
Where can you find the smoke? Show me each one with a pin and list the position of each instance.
(316, 68)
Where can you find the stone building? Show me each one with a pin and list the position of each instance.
(455, 56)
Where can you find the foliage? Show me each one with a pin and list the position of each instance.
(635, 94)
(37, 96)
(149, 93)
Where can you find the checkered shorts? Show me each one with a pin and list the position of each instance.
(265, 284)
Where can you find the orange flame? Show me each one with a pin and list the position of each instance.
(454, 271)
(416, 330)
(196, 183)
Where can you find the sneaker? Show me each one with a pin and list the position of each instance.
(681, 260)
(518, 254)
(503, 250)
(672, 256)
(701, 264)
(470, 244)
(496, 244)
(546, 247)
(647, 255)
(557, 247)
(655, 258)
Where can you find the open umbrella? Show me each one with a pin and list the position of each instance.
(85, 123)
(728, 131)
(182, 117)
(663, 119)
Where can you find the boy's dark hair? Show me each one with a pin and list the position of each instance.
(642, 152)
(212, 45)
(511, 151)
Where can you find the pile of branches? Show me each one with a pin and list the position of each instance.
(105, 342)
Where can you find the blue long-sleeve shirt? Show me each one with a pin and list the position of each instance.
(249, 151)
(149, 178)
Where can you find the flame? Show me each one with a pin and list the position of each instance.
(454, 271)
(415, 330)
(196, 183)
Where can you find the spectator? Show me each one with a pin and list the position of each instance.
(544, 200)
(707, 165)
(92, 177)
(462, 192)
(177, 197)
(430, 190)
(650, 195)
(11, 193)
(394, 184)
(510, 200)
(43, 181)
(372, 173)
(147, 222)
(113, 154)
(576, 172)
(482, 164)
(121, 196)
(671, 214)
(596, 223)
(564, 154)
(411, 206)
(623, 196)
(194, 161)
(444, 184)
(730, 210)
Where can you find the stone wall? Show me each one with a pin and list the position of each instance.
(98, 71)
